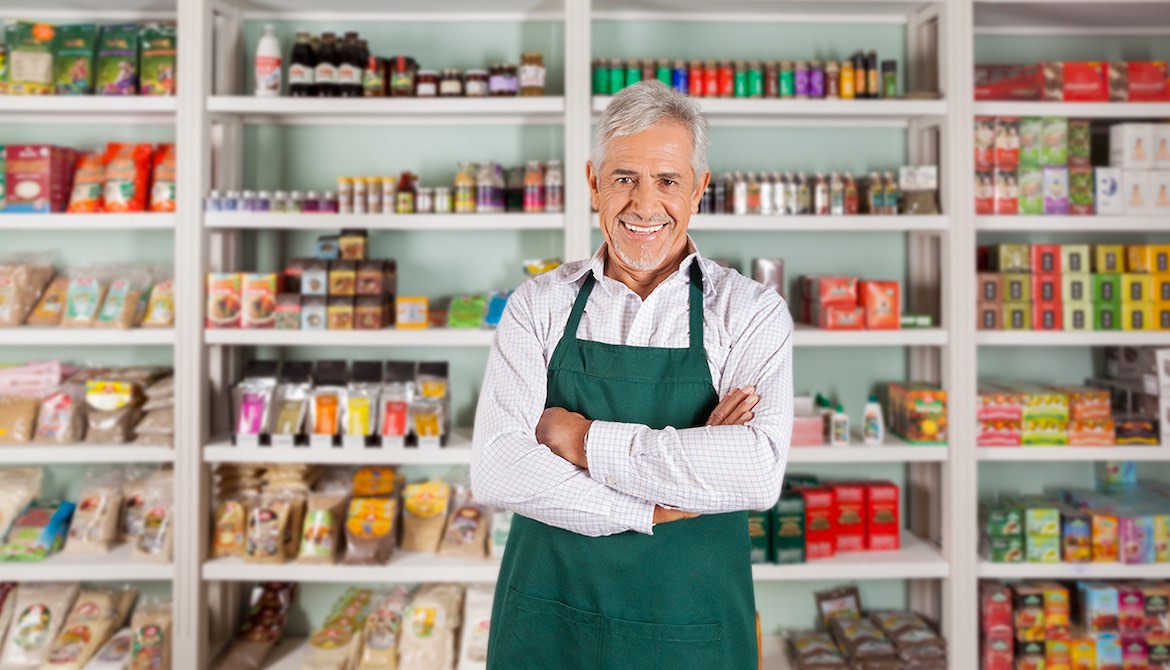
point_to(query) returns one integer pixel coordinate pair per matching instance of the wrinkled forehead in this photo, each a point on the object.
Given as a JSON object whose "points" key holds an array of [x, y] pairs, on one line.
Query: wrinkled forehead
{"points": [[665, 146]]}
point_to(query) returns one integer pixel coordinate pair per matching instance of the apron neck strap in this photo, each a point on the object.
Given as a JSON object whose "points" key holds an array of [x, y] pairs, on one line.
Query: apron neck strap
{"points": [[579, 306], [696, 306]]}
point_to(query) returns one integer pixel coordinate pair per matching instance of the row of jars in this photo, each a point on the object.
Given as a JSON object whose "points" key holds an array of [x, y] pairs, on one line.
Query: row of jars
{"points": [[788, 193], [484, 188]]}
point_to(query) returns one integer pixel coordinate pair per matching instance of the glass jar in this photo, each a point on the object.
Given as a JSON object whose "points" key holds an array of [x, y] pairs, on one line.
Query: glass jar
{"points": [[311, 203], [279, 203], [404, 198], [263, 201], [424, 201], [554, 187], [402, 74], [465, 188], [451, 84], [296, 202], [505, 82], [389, 194], [427, 84], [475, 84], [531, 77], [443, 200], [328, 203]]}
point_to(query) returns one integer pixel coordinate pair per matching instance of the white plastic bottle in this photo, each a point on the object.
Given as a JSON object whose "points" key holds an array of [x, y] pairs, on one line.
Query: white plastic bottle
{"points": [[873, 427], [269, 72], [839, 428]]}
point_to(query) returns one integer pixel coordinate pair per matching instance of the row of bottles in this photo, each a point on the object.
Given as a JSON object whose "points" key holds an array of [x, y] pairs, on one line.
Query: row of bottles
{"points": [[798, 194], [319, 67]]}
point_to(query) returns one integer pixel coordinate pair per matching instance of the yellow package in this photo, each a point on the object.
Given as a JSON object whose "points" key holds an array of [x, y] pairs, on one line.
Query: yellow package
{"points": [[1137, 287], [1109, 258], [1137, 316], [424, 515], [1139, 258]]}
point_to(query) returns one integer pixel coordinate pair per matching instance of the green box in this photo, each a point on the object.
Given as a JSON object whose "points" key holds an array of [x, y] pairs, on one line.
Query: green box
{"points": [[1003, 549], [760, 532], [1012, 257], [1003, 521], [74, 47], [1079, 142], [1042, 549], [1042, 521], [1106, 316], [1030, 141], [1107, 289], [1031, 184], [788, 529], [1054, 141], [1081, 188]]}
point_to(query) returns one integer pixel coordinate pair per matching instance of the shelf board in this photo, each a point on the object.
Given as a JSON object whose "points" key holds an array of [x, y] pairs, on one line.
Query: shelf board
{"points": [[1066, 454], [989, 570], [1104, 338], [87, 109], [1094, 110], [393, 111], [917, 559], [43, 454], [424, 222], [894, 451], [388, 337], [815, 224], [1073, 224], [753, 11], [831, 113], [91, 222], [118, 565], [376, 10], [457, 452], [807, 336], [86, 337]]}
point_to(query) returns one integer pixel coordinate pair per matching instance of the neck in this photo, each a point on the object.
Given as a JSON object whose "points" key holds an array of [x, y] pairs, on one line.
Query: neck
{"points": [[643, 282]]}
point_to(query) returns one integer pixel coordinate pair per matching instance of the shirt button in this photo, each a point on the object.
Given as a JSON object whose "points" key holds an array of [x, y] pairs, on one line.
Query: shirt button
{"points": [[610, 481]]}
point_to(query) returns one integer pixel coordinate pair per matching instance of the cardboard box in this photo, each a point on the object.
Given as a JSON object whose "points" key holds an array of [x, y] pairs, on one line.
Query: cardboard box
{"points": [[1139, 258], [1107, 288], [1005, 519], [1109, 258], [1054, 141], [997, 654], [883, 521], [851, 516], [1137, 538], [1106, 537], [1028, 605], [1137, 189], [984, 142], [1048, 316], [1137, 316], [1162, 146], [918, 413], [827, 290], [1009, 82], [788, 527], [411, 312], [759, 530], [1146, 81], [1161, 284], [985, 193], [1031, 139], [1007, 142], [38, 178], [1131, 610], [1160, 191], [1076, 287], [1161, 534], [882, 303], [1075, 258], [1044, 432], [990, 287], [1131, 146], [1076, 536], [1017, 287], [224, 300], [1135, 654], [991, 315], [834, 317], [1107, 193], [1080, 192], [259, 292], [1002, 549], [1156, 617], [1080, 140], [1084, 81], [1031, 186], [820, 531], [1012, 257], [1136, 288], [1099, 609], [1161, 315], [1083, 652], [1109, 652], [1047, 287], [1057, 613], [1087, 403], [1007, 192], [314, 312], [1045, 258], [1055, 190], [995, 610], [1017, 316]]}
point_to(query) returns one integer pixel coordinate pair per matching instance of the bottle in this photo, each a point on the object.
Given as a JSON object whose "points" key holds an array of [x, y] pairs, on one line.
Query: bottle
{"points": [[351, 69], [767, 188], [739, 194], [328, 60], [839, 428], [873, 427], [465, 188], [872, 75], [534, 188], [554, 187], [847, 81], [302, 67], [753, 193], [514, 196], [268, 64], [407, 189]]}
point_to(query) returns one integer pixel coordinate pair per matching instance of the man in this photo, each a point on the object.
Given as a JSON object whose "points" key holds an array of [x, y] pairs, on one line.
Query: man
{"points": [[600, 424]]}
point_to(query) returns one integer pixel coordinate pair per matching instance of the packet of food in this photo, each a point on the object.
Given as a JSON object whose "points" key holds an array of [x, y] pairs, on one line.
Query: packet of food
{"points": [[424, 515], [122, 304], [137, 478], [127, 177], [117, 60], [39, 612], [113, 410], [262, 630], [321, 533], [155, 541], [95, 522], [18, 416], [159, 48], [380, 635], [92, 620], [89, 178], [370, 531], [38, 532], [51, 306], [23, 278], [160, 308], [252, 401], [18, 488], [267, 523], [74, 49], [86, 293], [231, 521], [115, 654], [467, 528], [162, 192], [60, 419], [30, 57], [151, 627]]}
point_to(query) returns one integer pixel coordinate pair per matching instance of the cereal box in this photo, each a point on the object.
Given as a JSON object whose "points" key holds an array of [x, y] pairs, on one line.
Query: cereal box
{"points": [[851, 515], [883, 522], [819, 529]]}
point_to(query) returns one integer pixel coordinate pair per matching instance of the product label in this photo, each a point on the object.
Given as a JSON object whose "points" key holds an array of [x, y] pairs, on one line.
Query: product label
{"points": [[317, 540], [268, 74], [299, 73], [531, 76], [357, 416], [349, 75], [84, 299], [476, 88], [427, 90], [326, 73], [370, 518], [148, 647], [424, 620]]}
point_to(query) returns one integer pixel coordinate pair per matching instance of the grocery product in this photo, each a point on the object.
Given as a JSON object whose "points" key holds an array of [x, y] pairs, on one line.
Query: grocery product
{"points": [[73, 59], [117, 60], [128, 170], [38, 615], [151, 629], [262, 629], [30, 57], [39, 531], [268, 74]]}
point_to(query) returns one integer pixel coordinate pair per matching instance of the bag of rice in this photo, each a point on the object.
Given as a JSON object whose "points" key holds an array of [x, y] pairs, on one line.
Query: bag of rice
{"points": [[18, 419], [38, 615], [428, 628], [157, 537], [60, 419], [380, 636], [424, 515], [95, 522], [151, 626], [127, 177], [162, 193]]}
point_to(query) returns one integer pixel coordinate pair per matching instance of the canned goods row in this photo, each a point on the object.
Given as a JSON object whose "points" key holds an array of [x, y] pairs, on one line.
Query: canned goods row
{"points": [[273, 202]]}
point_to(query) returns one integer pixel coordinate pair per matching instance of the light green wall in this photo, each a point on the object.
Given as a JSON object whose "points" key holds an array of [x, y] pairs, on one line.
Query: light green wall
{"points": [[1004, 49]]}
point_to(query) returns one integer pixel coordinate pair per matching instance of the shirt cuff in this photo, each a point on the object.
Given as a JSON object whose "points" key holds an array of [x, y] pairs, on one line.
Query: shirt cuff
{"points": [[607, 449], [635, 514]]}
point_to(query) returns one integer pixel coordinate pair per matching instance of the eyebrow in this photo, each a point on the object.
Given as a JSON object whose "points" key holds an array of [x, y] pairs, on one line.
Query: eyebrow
{"points": [[633, 173]]}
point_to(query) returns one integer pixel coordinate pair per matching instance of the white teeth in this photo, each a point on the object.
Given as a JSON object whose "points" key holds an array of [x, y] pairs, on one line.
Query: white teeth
{"points": [[644, 229]]}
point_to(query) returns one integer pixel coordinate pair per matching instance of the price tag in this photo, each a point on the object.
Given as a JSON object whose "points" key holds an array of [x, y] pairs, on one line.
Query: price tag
{"points": [[243, 440]]}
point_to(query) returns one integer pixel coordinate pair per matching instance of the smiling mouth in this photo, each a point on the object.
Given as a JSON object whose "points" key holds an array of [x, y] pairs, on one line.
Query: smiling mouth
{"points": [[643, 230]]}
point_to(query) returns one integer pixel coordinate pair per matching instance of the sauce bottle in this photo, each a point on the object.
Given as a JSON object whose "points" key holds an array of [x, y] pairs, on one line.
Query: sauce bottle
{"points": [[534, 188], [719, 196], [836, 194], [767, 200], [328, 60], [554, 187], [780, 193], [465, 188], [852, 202], [407, 190], [832, 80], [302, 68], [872, 75], [514, 190], [860, 80], [268, 64], [351, 68], [803, 194], [739, 194], [821, 195], [753, 193], [847, 81]]}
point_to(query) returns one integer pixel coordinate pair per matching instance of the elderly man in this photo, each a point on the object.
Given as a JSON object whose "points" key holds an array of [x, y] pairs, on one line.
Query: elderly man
{"points": [[600, 424]]}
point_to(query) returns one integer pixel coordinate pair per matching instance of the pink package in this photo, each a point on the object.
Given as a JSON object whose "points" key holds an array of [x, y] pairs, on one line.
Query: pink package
{"points": [[1135, 653], [34, 379], [1137, 538], [1131, 610], [39, 178], [808, 431]]}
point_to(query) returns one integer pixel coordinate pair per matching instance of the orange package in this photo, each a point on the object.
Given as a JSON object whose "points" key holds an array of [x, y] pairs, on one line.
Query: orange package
{"points": [[162, 192], [88, 181], [882, 303], [127, 177]]}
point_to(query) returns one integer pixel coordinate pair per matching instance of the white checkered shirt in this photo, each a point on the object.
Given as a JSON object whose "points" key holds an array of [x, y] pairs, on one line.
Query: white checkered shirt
{"points": [[707, 470]]}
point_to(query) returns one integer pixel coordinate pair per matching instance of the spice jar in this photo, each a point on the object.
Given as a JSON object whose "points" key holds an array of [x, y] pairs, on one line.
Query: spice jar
{"points": [[328, 203], [402, 74], [427, 84], [772, 80], [451, 84], [424, 200], [475, 84], [443, 202], [531, 74], [816, 80]]}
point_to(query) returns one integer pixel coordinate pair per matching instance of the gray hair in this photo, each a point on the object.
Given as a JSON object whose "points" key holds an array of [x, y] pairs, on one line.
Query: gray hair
{"points": [[641, 107]]}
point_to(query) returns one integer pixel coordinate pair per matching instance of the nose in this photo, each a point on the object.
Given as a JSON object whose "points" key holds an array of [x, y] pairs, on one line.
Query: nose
{"points": [[644, 199]]}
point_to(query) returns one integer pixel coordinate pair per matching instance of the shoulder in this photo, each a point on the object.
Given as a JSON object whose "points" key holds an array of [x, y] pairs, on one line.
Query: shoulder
{"points": [[744, 305], [545, 293]]}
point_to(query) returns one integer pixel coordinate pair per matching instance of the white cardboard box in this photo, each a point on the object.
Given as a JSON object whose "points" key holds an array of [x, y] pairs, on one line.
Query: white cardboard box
{"points": [[1160, 191], [1137, 191], [1108, 191], [1162, 146], [1131, 146]]}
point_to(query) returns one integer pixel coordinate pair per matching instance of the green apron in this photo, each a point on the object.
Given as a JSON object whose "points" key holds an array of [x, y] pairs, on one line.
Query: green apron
{"points": [[681, 598]]}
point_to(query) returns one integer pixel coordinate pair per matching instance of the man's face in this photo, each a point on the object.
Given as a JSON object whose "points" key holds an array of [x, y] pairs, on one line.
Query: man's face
{"points": [[645, 193]]}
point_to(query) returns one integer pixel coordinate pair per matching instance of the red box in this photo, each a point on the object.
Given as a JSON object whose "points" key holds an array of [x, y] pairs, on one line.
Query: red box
{"points": [[1131, 610], [990, 316], [833, 317], [985, 193], [1009, 82], [1047, 287], [983, 258], [806, 312], [1147, 81], [1047, 316], [998, 654], [1046, 259], [833, 291], [1007, 142], [1085, 81], [995, 607], [39, 178], [882, 521], [849, 498], [882, 302], [1007, 193], [820, 531], [990, 287]]}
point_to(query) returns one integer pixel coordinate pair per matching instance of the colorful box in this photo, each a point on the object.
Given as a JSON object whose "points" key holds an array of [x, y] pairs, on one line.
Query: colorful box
{"points": [[1131, 610], [990, 287], [1047, 287], [851, 514], [1160, 191], [411, 312], [999, 433], [224, 300], [1003, 520], [1137, 539], [759, 530], [1109, 258], [1156, 618], [1092, 433], [1107, 191], [834, 317], [1075, 258], [1047, 316], [1076, 536], [997, 654], [1076, 287], [1045, 259], [1031, 134], [1080, 192], [1137, 316], [882, 302], [984, 142], [995, 610], [1003, 549], [1057, 612], [1137, 189], [1083, 653], [1017, 287], [1139, 258], [1007, 142], [1137, 288], [1084, 81], [1087, 403], [1080, 140], [1161, 538], [1042, 549], [1054, 141], [1017, 316], [788, 527], [1131, 146], [919, 413], [1099, 609], [1145, 81], [1109, 652], [824, 290], [820, 533], [1028, 605], [1042, 520], [1135, 654], [1106, 316], [1045, 432], [1012, 258], [1031, 186], [314, 312], [1078, 316], [38, 178], [1107, 288], [1106, 537], [1162, 146], [259, 292], [985, 192], [1055, 190], [1007, 192], [882, 519], [1161, 315], [1160, 289]]}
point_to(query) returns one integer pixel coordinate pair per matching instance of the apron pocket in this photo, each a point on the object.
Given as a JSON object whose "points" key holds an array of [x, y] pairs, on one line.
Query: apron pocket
{"points": [[633, 644], [543, 634]]}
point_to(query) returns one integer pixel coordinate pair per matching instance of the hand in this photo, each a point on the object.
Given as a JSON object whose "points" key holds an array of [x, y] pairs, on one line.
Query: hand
{"points": [[664, 515], [563, 432], [736, 408]]}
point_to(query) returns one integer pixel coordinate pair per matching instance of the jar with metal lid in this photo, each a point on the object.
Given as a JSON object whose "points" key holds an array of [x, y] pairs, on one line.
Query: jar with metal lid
{"points": [[213, 202], [296, 202], [427, 84], [361, 193], [389, 194], [424, 200], [531, 74], [328, 203], [475, 83], [373, 194], [279, 203], [345, 194], [443, 202], [402, 75], [263, 201], [451, 84], [311, 203]]}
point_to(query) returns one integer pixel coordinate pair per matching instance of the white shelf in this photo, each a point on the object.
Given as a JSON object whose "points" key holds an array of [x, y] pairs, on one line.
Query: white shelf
{"points": [[457, 452], [807, 336], [404, 567], [753, 11], [1073, 224], [895, 451], [424, 222], [1079, 110], [388, 337], [43, 454], [831, 113], [1103, 338], [86, 337], [92, 222], [814, 224], [118, 565], [378, 10], [87, 109], [393, 111], [989, 570], [916, 559], [1066, 454]]}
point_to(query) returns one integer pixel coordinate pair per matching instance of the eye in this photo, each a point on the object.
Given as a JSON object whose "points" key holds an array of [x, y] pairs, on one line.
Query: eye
{"points": [[669, 182], [625, 180]]}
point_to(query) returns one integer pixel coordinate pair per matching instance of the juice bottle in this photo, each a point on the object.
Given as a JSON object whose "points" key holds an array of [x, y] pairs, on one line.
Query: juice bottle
{"points": [[302, 68], [554, 187], [534, 188], [464, 188], [268, 64], [350, 71], [328, 60]]}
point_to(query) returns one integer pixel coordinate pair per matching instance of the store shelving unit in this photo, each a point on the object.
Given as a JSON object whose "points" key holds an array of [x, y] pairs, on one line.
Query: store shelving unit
{"points": [[87, 337], [814, 224], [1072, 454], [419, 222], [85, 222], [118, 565], [1076, 110], [989, 570], [1100, 338], [1071, 224], [43, 454]]}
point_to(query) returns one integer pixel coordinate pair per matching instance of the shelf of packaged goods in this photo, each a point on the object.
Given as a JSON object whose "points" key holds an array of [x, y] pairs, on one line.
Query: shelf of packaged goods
{"points": [[404, 567], [392, 111], [1066, 454], [917, 559], [91, 222], [989, 570], [812, 224], [808, 336], [87, 108], [457, 452], [758, 111], [1079, 110], [86, 337], [44, 454], [1073, 224], [118, 565], [1103, 338], [415, 222], [389, 337]]}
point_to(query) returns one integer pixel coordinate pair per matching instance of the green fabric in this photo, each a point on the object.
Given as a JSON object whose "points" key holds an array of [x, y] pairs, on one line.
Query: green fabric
{"points": [[681, 598]]}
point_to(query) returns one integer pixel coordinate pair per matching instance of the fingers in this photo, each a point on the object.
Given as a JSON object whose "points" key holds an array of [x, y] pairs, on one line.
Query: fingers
{"points": [[743, 411], [736, 408], [723, 409]]}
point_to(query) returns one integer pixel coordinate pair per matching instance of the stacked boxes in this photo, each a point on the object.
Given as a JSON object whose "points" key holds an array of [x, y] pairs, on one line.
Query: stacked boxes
{"points": [[815, 520], [1013, 415], [1074, 81], [917, 413], [846, 303], [1139, 160]]}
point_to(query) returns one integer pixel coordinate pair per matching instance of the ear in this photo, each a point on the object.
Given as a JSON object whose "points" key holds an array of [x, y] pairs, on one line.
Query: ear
{"points": [[594, 194], [700, 188]]}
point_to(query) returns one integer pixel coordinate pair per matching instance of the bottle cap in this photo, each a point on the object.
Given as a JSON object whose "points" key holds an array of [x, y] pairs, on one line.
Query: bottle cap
{"points": [[873, 398], [840, 408]]}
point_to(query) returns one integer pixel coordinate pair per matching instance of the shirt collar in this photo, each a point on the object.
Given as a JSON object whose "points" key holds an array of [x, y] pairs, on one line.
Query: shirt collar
{"points": [[596, 265]]}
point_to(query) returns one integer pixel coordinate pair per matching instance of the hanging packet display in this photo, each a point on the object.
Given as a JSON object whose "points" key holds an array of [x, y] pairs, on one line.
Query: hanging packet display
{"points": [[30, 58], [89, 178], [117, 60], [127, 177], [162, 191], [73, 54], [159, 47]]}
